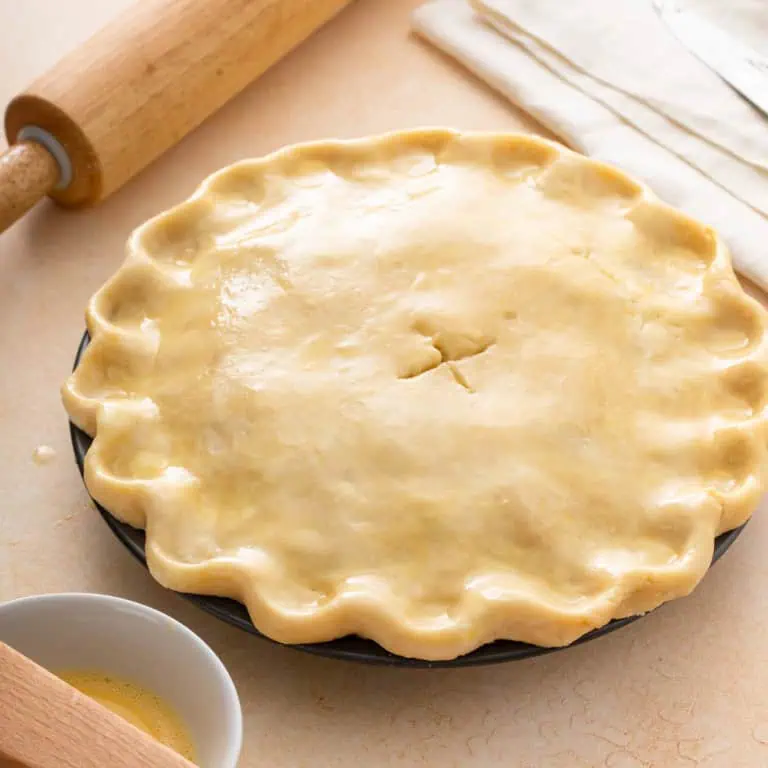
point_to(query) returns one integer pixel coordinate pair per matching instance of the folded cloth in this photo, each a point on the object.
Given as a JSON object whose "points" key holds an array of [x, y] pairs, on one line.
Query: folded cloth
{"points": [[612, 81]]}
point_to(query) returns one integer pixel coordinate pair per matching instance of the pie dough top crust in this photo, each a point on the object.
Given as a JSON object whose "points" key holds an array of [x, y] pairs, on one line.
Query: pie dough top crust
{"points": [[431, 388]]}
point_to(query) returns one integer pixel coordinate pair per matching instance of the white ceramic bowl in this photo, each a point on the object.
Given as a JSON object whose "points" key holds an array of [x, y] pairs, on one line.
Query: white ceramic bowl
{"points": [[130, 640]]}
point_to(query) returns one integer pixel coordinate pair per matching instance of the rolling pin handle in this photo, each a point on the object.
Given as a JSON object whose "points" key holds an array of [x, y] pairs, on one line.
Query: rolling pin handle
{"points": [[28, 172]]}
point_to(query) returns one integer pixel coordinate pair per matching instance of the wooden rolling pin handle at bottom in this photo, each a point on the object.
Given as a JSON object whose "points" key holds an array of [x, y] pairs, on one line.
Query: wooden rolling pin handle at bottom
{"points": [[28, 172]]}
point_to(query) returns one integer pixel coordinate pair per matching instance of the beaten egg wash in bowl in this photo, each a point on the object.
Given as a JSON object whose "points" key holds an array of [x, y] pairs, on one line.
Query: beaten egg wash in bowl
{"points": [[137, 662], [138, 705]]}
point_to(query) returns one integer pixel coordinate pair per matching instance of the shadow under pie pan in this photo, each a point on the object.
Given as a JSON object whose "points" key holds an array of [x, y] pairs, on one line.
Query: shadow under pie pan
{"points": [[349, 648]]}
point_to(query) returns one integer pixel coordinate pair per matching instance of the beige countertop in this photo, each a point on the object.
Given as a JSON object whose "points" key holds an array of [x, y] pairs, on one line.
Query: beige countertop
{"points": [[686, 686]]}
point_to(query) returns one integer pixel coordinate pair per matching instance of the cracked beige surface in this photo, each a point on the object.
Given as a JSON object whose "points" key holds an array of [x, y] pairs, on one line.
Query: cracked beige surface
{"points": [[431, 388]]}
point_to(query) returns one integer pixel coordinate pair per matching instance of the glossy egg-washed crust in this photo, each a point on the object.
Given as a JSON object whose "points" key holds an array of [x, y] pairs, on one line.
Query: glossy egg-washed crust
{"points": [[431, 388]]}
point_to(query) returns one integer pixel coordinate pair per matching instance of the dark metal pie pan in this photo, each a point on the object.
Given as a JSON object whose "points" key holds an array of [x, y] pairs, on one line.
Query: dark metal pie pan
{"points": [[349, 648]]}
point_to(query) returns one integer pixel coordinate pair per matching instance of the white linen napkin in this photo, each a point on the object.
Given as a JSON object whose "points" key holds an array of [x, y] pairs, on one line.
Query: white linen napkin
{"points": [[612, 81]]}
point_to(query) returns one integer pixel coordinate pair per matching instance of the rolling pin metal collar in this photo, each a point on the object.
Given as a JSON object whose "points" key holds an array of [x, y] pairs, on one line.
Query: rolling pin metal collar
{"points": [[52, 144]]}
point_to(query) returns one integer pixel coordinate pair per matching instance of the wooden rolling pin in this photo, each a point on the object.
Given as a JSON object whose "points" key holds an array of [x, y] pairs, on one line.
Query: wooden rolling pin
{"points": [[45, 723], [132, 91]]}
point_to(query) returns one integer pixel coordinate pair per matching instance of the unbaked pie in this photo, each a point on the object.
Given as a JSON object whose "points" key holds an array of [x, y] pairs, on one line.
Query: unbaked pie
{"points": [[430, 388]]}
